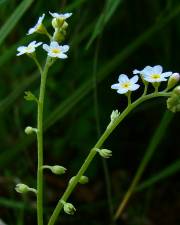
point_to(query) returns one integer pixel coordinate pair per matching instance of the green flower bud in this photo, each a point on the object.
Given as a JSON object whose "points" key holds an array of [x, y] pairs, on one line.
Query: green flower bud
{"points": [[56, 169], [69, 208], [65, 25], [173, 102], [114, 115], [173, 80], [105, 153], [22, 188], [84, 180], [54, 23], [30, 130], [58, 36]]}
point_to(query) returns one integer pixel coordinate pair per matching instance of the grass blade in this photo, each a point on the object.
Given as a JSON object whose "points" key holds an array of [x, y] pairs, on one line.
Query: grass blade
{"points": [[14, 18]]}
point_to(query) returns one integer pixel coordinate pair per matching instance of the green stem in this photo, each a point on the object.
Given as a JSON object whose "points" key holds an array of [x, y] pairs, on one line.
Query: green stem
{"points": [[40, 143], [93, 152]]}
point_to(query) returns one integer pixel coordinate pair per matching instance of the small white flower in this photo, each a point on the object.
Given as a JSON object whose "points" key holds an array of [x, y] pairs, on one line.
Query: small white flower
{"points": [[60, 16], [37, 26], [55, 50], [28, 49], [153, 74], [125, 84]]}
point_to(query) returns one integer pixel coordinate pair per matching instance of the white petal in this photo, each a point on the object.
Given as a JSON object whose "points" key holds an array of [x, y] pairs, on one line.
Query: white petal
{"points": [[38, 44], [53, 55], [115, 86], [46, 47], [122, 90], [55, 15], [157, 69], [31, 50], [62, 56], [134, 87], [54, 44], [31, 31], [64, 48], [123, 78], [67, 15], [20, 53], [166, 74], [134, 79], [136, 71], [21, 48], [33, 43]]}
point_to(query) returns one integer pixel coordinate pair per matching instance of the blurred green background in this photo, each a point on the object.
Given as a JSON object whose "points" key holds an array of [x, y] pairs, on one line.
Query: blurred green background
{"points": [[106, 38]]}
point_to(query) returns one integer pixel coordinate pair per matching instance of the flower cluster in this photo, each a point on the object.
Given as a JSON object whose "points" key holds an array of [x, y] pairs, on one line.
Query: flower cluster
{"points": [[149, 74], [54, 49]]}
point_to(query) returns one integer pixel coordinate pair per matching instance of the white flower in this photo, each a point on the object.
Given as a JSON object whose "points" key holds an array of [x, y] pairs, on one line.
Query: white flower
{"points": [[55, 50], [153, 74], [60, 16], [37, 26], [125, 84], [28, 49]]}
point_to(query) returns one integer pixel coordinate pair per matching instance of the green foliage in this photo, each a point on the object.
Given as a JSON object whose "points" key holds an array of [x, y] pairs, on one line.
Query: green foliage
{"points": [[131, 34]]}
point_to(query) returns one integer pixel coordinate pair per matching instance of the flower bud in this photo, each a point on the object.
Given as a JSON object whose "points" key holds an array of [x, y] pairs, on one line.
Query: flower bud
{"points": [[114, 115], [58, 36], [58, 169], [69, 208], [22, 188], [65, 25], [84, 180], [173, 80], [105, 153], [54, 23], [30, 130], [173, 102]]}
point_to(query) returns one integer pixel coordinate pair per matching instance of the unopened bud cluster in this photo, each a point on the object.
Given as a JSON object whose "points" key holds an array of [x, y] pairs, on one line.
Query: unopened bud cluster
{"points": [[68, 207], [105, 153], [173, 102]]}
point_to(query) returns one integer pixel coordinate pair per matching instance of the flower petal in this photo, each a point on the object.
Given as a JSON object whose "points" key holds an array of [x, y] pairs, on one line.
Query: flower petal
{"points": [[64, 48], [123, 78], [122, 90], [134, 87], [167, 74], [134, 79], [46, 47], [62, 56], [157, 69], [115, 86]]}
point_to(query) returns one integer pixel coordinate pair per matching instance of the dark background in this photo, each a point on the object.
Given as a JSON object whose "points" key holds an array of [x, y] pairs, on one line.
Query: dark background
{"points": [[106, 38]]}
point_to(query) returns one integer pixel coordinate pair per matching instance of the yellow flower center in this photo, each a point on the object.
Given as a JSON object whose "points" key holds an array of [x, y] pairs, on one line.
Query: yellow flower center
{"points": [[56, 50], [155, 76], [126, 85]]}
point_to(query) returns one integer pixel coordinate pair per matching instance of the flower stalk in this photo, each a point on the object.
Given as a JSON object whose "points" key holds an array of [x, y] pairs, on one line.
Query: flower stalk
{"points": [[93, 151], [40, 142]]}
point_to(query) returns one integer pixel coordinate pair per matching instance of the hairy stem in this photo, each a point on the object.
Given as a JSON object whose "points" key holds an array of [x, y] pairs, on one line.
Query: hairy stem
{"points": [[93, 152]]}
